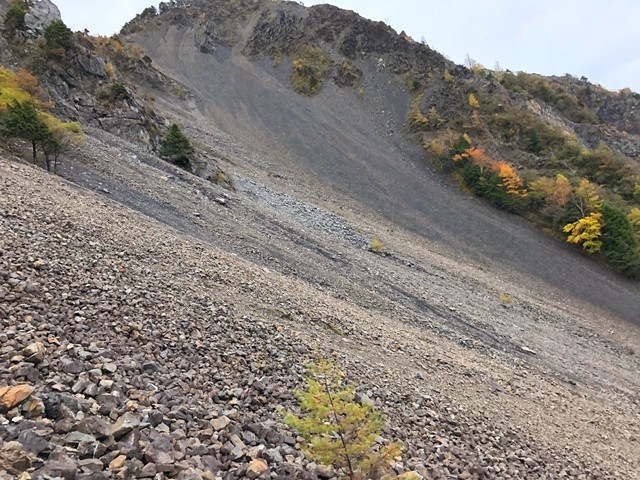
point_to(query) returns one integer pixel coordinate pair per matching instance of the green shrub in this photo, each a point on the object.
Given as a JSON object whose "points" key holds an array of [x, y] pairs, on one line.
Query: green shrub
{"points": [[551, 92], [57, 35], [176, 146], [22, 121], [118, 91], [606, 167], [488, 184], [348, 74], [310, 69], [14, 17], [619, 244]]}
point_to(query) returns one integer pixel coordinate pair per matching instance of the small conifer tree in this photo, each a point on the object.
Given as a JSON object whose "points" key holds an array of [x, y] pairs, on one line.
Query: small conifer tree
{"points": [[176, 146], [58, 35], [22, 121], [340, 431]]}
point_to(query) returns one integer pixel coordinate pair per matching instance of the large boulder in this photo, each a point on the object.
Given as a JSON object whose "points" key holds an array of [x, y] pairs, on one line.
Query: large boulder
{"points": [[41, 14], [91, 63]]}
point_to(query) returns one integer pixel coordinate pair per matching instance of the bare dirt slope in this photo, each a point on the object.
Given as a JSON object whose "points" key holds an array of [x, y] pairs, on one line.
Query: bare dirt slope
{"points": [[543, 385], [353, 147]]}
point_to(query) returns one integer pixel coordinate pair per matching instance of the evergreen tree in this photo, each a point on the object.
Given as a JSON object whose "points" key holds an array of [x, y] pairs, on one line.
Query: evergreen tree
{"points": [[58, 35], [339, 430], [619, 244], [22, 121], [176, 146], [60, 136]]}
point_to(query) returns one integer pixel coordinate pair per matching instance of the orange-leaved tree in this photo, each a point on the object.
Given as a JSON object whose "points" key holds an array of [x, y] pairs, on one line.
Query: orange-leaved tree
{"points": [[511, 181]]}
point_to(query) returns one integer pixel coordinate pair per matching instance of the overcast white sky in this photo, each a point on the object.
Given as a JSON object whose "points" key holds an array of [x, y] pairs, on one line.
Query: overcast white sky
{"points": [[599, 39]]}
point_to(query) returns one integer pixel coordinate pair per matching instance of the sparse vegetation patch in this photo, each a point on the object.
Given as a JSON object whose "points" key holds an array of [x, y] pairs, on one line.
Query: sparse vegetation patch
{"points": [[310, 69]]}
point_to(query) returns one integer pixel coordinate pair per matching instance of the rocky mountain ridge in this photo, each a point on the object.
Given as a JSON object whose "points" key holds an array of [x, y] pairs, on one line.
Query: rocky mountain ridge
{"points": [[283, 28]]}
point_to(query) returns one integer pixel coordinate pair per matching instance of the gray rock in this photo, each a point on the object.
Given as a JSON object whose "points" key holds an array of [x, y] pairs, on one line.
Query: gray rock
{"points": [[99, 427], [90, 465], [109, 367], [33, 442], [93, 476], [155, 418], [249, 437], [71, 366], [41, 15], [325, 471], [79, 437], [160, 451], [148, 471], [33, 348], [220, 423], [52, 408], [273, 455], [237, 442], [92, 64], [150, 366], [58, 465], [14, 459], [124, 425], [237, 453]]}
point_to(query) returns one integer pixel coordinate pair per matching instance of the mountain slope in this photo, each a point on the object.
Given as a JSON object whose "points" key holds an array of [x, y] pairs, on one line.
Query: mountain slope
{"points": [[529, 387], [157, 319], [356, 144]]}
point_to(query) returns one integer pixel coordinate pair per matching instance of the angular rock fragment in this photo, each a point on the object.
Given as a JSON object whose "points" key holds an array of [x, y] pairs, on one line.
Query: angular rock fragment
{"points": [[14, 459], [13, 396], [124, 425]]}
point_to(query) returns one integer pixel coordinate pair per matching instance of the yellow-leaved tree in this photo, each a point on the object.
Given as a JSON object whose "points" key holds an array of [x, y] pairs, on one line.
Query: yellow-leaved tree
{"points": [[340, 431], [554, 191], [586, 232], [634, 220], [10, 91], [473, 101], [586, 198]]}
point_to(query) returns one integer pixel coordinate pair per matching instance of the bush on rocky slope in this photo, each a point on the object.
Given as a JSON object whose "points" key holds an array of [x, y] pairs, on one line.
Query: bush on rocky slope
{"points": [[58, 36], [176, 146], [14, 17], [339, 430], [310, 69]]}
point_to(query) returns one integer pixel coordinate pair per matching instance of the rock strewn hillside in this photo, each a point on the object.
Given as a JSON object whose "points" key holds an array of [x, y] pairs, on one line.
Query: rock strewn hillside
{"points": [[358, 139], [150, 352], [159, 341]]}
